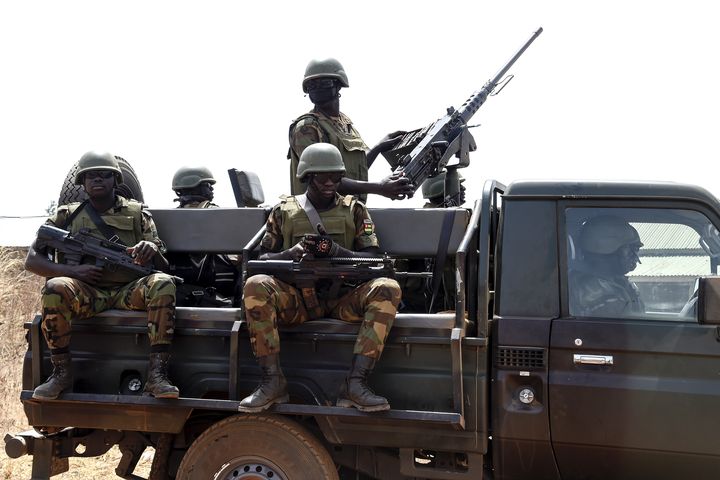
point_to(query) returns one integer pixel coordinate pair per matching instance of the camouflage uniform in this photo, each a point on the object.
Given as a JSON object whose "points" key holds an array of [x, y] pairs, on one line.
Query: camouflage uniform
{"points": [[269, 301], [596, 295], [64, 298], [315, 127]]}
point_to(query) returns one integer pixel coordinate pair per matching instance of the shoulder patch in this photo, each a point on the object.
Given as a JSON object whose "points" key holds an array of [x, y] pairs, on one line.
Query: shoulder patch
{"points": [[368, 227]]}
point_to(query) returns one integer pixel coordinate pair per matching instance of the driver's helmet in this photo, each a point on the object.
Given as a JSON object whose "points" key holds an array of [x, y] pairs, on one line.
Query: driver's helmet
{"points": [[607, 234]]}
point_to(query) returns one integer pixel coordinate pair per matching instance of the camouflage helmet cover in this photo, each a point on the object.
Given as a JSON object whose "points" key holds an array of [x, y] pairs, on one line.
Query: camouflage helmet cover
{"points": [[319, 158], [95, 160], [328, 67], [191, 177], [606, 234], [435, 186]]}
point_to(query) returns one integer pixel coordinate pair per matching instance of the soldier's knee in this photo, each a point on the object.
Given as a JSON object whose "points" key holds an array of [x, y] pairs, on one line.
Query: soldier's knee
{"points": [[257, 283], [56, 285], [386, 289], [160, 284]]}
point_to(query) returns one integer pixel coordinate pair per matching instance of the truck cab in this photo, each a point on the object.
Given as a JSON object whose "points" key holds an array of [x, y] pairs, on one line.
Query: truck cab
{"points": [[593, 394]]}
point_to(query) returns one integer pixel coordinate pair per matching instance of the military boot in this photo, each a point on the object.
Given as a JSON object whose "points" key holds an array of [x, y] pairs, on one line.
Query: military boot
{"points": [[158, 385], [61, 378], [354, 391], [272, 388]]}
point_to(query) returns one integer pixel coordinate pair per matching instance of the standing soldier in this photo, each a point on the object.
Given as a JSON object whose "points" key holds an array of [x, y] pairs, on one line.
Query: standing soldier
{"points": [[347, 231], [81, 290], [213, 273], [326, 123]]}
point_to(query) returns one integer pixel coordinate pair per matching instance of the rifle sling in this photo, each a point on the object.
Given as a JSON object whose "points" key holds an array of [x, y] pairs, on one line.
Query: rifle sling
{"points": [[441, 254], [104, 228], [310, 211], [74, 214]]}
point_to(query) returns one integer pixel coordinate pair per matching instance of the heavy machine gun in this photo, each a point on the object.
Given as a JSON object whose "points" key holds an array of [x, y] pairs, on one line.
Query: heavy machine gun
{"points": [[424, 153]]}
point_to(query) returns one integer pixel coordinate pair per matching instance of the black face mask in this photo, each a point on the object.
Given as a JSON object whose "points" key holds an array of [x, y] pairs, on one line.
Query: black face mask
{"points": [[323, 95]]}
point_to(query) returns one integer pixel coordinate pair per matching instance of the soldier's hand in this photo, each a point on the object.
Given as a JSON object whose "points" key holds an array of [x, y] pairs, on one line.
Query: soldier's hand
{"points": [[143, 252], [87, 273], [389, 141], [297, 251], [319, 245], [396, 187]]}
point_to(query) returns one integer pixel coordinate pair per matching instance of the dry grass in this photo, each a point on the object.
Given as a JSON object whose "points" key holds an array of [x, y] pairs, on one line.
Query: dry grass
{"points": [[19, 301]]}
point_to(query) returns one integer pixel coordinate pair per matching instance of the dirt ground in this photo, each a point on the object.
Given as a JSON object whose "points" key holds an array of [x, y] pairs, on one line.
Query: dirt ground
{"points": [[19, 302]]}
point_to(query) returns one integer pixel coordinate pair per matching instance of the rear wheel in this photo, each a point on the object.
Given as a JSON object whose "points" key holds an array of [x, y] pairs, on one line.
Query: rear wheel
{"points": [[130, 188], [257, 447]]}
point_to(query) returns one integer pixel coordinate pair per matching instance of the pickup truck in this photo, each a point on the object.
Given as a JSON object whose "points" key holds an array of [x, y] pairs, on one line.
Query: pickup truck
{"points": [[513, 381]]}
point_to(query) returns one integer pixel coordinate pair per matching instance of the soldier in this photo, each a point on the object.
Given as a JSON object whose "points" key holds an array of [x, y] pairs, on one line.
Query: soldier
{"points": [[205, 274], [194, 187], [269, 301], [433, 190], [325, 123], [598, 286], [83, 290]]}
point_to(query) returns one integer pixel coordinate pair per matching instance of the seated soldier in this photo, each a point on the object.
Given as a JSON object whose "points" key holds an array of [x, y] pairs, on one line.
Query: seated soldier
{"points": [[598, 286], [268, 301], [209, 278], [81, 289]]}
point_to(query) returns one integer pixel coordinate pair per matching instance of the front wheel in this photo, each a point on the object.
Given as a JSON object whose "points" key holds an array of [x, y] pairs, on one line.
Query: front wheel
{"points": [[257, 447]]}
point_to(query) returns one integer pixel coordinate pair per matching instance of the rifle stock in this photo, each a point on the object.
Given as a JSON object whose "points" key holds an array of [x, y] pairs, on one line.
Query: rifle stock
{"points": [[424, 153]]}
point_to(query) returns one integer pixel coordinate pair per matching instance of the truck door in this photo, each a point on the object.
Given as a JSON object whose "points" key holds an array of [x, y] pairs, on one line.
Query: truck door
{"points": [[634, 379]]}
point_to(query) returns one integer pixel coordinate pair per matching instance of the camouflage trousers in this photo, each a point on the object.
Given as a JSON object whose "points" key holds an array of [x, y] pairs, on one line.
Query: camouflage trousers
{"points": [[269, 302], [65, 299]]}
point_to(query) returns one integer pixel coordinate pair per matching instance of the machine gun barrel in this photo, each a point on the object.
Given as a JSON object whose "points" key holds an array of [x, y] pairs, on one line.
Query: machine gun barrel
{"points": [[476, 100], [425, 153]]}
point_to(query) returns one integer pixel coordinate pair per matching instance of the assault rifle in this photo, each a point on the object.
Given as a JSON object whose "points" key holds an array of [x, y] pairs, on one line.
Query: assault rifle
{"points": [[343, 269], [305, 274], [425, 152], [108, 255]]}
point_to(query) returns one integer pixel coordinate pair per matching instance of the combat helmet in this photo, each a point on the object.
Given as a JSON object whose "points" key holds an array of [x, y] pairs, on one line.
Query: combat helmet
{"points": [[319, 158], [606, 234], [94, 160], [328, 67], [435, 186], [191, 177]]}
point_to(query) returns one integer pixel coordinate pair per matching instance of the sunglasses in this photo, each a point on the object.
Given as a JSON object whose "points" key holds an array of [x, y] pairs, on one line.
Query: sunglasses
{"points": [[324, 177], [104, 174], [321, 83]]}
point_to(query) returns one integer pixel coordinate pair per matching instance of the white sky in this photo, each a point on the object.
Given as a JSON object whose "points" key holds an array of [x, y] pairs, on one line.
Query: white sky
{"points": [[620, 90]]}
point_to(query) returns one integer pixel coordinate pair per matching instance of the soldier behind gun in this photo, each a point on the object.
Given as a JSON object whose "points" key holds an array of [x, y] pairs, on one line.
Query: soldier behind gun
{"points": [[209, 278], [76, 288], [348, 232], [326, 123]]}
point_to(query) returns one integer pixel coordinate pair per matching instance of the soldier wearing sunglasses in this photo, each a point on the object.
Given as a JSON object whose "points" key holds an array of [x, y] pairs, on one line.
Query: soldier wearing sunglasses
{"points": [[344, 229]]}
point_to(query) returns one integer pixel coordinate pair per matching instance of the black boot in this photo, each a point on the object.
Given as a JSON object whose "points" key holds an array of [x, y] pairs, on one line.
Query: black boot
{"points": [[354, 391], [158, 385], [272, 388], [60, 380]]}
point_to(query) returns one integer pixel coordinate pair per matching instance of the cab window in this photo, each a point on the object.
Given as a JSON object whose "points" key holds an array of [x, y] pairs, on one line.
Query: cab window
{"points": [[638, 262]]}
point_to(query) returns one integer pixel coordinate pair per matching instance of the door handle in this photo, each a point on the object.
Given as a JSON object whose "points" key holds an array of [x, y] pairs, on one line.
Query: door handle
{"points": [[580, 359]]}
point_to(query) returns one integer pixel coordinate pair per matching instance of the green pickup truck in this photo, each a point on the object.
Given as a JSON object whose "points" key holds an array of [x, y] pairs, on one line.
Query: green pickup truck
{"points": [[540, 361]]}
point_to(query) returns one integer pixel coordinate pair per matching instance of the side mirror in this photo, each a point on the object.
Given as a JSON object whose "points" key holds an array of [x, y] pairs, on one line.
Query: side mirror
{"points": [[709, 300], [246, 187]]}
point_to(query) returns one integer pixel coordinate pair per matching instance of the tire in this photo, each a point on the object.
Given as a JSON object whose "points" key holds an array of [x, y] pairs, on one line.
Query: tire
{"points": [[257, 447], [130, 188]]}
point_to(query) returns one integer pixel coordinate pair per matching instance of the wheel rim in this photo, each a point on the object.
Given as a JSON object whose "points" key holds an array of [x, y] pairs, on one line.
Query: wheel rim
{"points": [[250, 468]]}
